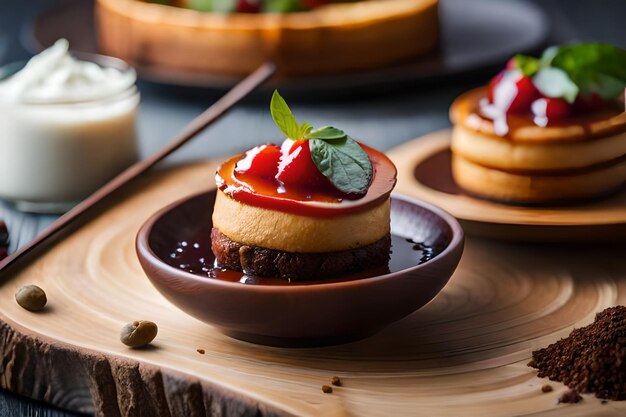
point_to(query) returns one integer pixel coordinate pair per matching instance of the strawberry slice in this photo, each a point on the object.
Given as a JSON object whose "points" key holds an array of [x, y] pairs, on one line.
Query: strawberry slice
{"points": [[260, 161], [526, 94], [492, 85], [512, 92], [548, 110], [298, 169], [248, 6], [311, 4], [511, 67], [589, 102], [511, 63], [557, 108]]}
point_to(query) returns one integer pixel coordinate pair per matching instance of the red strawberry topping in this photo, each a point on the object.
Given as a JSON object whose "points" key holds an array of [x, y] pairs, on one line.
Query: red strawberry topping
{"points": [[511, 63], [512, 92], [311, 4], [548, 110], [585, 103], [248, 6], [260, 161], [297, 168], [526, 94]]}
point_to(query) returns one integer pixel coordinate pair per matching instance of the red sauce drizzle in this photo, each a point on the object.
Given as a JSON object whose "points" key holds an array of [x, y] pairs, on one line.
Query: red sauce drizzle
{"points": [[608, 110], [270, 194], [585, 121]]}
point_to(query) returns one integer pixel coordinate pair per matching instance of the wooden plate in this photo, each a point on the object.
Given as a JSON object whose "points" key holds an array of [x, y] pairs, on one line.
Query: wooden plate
{"points": [[475, 35], [424, 172], [464, 353]]}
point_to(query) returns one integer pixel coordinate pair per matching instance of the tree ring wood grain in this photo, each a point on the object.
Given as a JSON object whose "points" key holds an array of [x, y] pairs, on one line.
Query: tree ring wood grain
{"points": [[462, 354]]}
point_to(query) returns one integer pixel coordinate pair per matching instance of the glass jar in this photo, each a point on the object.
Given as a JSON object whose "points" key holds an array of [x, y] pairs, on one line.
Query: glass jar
{"points": [[54, 153]]}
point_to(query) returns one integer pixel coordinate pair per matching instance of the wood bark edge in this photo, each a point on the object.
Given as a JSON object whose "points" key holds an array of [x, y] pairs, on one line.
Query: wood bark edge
{"points": [[87, 381]]}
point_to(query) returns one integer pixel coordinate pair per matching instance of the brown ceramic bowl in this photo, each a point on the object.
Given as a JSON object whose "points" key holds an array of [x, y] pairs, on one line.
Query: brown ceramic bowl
{"points": [[300, 314]]}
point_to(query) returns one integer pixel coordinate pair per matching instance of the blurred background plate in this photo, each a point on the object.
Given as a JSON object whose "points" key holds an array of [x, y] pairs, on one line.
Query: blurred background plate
{"points": [[477, 35]]}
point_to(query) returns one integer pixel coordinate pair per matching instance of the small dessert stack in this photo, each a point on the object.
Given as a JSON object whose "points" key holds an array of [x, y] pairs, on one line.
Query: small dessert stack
{"points": [[546, 130], [316, 206]]}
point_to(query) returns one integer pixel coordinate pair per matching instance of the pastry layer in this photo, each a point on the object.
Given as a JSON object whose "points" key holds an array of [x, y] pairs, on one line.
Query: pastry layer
{"points": [[257, 226], [593, 126], [344, 34], [502, 153], [264, 262], [511, 187]]}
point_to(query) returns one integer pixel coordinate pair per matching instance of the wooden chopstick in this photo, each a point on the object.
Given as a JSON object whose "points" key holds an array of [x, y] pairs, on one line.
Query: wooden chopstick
{"points": [[205, 119]]}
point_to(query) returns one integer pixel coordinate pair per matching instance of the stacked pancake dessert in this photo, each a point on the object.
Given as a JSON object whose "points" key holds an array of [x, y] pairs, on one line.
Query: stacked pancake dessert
{"points": [[316, 206], [547, 130]]}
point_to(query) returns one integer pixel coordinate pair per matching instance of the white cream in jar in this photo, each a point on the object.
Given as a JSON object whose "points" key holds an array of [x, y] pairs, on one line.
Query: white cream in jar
{"points": [[67, 126]]}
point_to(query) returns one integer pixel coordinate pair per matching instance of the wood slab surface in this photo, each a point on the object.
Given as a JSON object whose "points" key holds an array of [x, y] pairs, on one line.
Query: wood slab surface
{"points": [[424, 172], [465, 353]]}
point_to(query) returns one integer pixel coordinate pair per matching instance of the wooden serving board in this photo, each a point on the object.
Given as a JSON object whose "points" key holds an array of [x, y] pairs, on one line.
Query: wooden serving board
{"points": [[465, 353]]}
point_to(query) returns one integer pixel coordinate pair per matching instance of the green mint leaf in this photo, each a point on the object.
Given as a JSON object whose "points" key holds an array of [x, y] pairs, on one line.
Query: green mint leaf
{"points": [[605, 86], [344, 163], [201, 5], [284, 119], [282, 6], [594, 67], [528, 65], [548, 55], [327, 133], [555, 83], [305, 130], [224, 6]]}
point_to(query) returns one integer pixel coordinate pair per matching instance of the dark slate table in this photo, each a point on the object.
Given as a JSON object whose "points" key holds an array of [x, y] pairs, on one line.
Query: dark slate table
{"points": [[382, 121]]}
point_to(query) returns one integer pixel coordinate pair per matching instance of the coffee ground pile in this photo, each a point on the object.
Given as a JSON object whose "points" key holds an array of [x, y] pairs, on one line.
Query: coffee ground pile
{"points": [[591, 359]]}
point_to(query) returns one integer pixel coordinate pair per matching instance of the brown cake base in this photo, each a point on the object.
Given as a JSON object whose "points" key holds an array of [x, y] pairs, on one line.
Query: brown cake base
{"points": [[523, 188], [264, 262]]}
